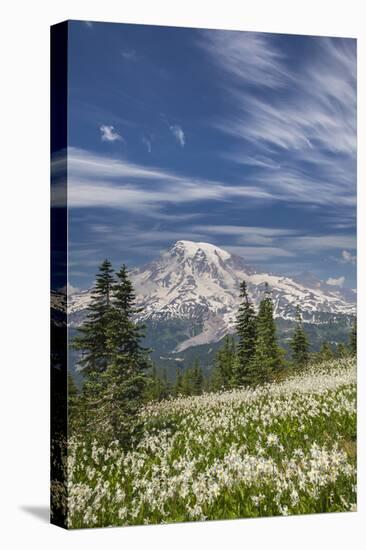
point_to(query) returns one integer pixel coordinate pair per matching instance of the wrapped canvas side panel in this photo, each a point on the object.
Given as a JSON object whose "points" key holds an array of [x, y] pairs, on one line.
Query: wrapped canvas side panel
{"points": [[59, 274]]}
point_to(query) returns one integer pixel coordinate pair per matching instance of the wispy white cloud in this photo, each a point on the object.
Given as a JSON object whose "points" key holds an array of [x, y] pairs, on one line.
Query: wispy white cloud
{"points": [[100, 181], [93, 166], [239, 230], [135, 240], [178, 133], [129, 54], [319, 103], [260, 253], [84, 193], [247, 235], [292, 240], [335, 281], [108, 133], [348, 258], [316, 243], [247, 56], [295, 122], [147, 142], [259, 160], [97, 180]]}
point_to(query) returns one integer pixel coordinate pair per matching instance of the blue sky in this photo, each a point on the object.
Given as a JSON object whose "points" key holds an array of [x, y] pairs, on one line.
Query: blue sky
{"points": [[244, 140]]}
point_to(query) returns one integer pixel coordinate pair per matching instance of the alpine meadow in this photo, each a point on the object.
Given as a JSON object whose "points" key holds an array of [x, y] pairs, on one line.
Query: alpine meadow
{"points": [[203, 302]]}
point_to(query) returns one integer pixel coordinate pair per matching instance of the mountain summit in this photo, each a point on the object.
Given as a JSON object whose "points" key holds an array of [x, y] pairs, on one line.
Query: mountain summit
{"points": [[200, 282], [191, 249]]}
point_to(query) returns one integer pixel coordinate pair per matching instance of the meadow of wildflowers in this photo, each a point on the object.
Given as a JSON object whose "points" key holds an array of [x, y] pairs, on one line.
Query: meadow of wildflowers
{"points": [[282, 448]]}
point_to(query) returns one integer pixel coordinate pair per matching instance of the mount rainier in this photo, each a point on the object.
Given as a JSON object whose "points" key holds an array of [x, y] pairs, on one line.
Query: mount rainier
{"points": [[199, 282]]}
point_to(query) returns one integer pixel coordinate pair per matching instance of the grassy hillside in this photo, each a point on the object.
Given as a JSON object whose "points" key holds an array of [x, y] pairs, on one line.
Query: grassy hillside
{"points": [[284, 448]]}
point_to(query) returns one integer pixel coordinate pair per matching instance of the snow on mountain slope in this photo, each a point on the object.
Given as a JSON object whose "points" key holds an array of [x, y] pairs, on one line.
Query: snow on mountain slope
{"points": [[189, 281], [200, 281]]}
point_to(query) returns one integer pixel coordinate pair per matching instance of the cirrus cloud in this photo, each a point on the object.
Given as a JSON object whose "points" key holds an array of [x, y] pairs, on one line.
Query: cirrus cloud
{"points": [[108, 133], [178, 134]]}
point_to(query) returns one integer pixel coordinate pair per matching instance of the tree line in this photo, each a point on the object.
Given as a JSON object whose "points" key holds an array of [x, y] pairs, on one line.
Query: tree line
{"points": [[254, 356], [119, 375], [257, 358]]}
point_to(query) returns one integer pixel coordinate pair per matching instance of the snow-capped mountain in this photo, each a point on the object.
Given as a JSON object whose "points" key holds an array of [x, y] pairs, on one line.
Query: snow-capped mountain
{"points": [[200, 282]]}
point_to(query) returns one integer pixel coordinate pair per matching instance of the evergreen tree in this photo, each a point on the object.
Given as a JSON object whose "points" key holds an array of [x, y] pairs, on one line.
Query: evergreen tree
{"points": [[72, 403], [341, 350], [225, 365], [353, 338], [246, 330], [326, 352], [166, 388], [217, 381], [88, 400], [267, 358], [125, 377], [72, 390], [92, 335], [299, 344], [178, 387], [124, 336], [187, 384], [197, 378], [157, 387], [113, 392]]}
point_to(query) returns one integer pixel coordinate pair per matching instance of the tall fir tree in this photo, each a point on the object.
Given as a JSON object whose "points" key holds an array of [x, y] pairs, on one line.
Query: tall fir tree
{"points": [[225, 365], [299, 343], [125, 378], [91, 339], [267, 358], [246, 330], [353, 338]]}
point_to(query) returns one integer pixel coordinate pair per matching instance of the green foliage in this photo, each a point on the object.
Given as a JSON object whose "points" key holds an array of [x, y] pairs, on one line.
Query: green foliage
{"points": [[226, 360], [353, 338], [326, 352], [267, 360], [92, 335], [187, 387], [197, 378], [189, 382], [115, 366], [341, 350], [299, 343], [257, 358], [72, 390], [120, 400], [178, 387], [73, 399], [157, 386], [246, 330]]}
